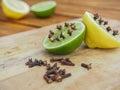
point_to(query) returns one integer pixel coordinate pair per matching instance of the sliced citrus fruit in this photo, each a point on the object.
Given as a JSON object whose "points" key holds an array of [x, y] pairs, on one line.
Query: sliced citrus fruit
{"points": [[98, 33], [44, 9], [65, 38], [15, 9]]}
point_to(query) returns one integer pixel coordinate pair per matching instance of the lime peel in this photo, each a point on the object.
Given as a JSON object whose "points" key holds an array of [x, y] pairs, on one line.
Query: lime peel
{"points": [[69, 44]]}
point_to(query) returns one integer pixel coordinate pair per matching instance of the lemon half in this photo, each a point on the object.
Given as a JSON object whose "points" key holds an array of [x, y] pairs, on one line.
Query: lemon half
{"points": [[15, 9], [96, 36]]}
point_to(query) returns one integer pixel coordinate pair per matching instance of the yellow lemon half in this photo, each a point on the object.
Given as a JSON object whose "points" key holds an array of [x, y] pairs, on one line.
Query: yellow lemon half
{"points": [[97, 35], [15, 9]]}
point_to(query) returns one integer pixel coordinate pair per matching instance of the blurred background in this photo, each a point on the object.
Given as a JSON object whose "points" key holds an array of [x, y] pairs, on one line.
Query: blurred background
{"points": [[65, 10]]}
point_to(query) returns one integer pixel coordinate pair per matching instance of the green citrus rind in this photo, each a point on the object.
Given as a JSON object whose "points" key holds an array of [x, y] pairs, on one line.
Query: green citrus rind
{"points": [[47, 8], [67, 47]]}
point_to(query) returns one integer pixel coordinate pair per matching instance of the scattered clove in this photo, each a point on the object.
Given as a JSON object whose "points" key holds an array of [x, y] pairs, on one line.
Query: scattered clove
{"points": [[66, 75], [59, 27], [105, 22], [53, 73], [96, 16], [108, 28], [48, 79], [67, 61], [115, 32], [70, 32], [56, 59], [66, 24], [62, 36], [31, 63], [87, 66]]}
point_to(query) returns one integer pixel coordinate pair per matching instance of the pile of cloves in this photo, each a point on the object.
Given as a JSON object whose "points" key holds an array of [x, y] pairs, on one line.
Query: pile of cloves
{"points": [[105, 23], [63, 61], [53, 73], [71, 27]]}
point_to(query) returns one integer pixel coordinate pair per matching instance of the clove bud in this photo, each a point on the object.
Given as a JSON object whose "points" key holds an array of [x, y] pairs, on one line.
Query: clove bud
{"points": [[59, 27], [87, 66], [62, 36], [96, 16], [69, 32]]}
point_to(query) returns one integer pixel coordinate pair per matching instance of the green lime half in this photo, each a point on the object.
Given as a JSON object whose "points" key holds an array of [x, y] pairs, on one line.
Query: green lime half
{"points": [[44, 9], [69, 43]]}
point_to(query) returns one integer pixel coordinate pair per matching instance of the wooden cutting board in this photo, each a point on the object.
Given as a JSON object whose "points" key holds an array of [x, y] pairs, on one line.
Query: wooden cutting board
{"points": [[16, 49]]}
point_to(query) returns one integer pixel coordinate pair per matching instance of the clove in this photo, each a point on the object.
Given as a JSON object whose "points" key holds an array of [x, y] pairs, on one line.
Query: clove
{"points": [[115, 32], [105, 22], [96, 16], [48, 79], [87, 66], [66, 24], [51, 32], [66, 75], [59, 27], [50, 36], [62, 36], [73, 26], [108, 28], [52, 39], [69, 32], [100, 20], [56, 59], [67, 62]]}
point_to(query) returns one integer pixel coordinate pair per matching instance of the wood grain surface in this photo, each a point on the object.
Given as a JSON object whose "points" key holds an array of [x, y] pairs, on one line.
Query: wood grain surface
{"points": [[16, 49], [66, 10]]}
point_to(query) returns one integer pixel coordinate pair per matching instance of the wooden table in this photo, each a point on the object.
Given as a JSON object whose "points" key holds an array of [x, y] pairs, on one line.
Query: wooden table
{"points": [[66, 10]]}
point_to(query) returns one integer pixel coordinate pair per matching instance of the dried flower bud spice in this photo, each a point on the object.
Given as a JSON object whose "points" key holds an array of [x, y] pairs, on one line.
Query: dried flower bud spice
{"points": [[115, 32], [58, 78], [66, 24], [67, 62], [96, 16], [87, 66], [52, 39], [105, 22], [62, 71], [51, 32], [69, 32], [56, 59], [73, 27], [50, 35], [59, 27], [66, 75], [100, 21], [48, 79], [62, 36], [108, 28]]}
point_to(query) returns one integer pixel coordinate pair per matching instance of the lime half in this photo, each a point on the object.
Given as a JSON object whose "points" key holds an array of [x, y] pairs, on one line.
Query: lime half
{"points": [[44, 9], [67, 44], [97, 35], [15, 9]]}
